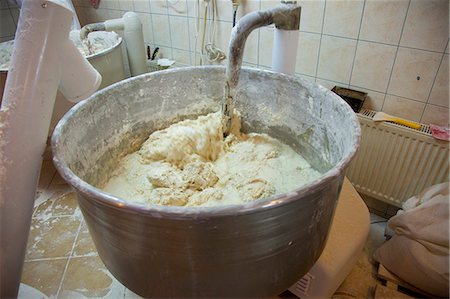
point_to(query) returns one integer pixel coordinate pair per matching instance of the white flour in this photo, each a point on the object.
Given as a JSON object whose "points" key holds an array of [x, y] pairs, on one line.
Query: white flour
{"points": [[191, 164]]}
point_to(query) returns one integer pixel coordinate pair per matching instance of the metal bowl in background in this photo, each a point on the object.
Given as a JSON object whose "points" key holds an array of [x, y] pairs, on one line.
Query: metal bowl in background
{"points": [[108, 62], [258, 249]]}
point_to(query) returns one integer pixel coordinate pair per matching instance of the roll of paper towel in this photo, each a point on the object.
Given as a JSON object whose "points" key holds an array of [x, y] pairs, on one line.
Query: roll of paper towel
{"points": [[284, 53]]}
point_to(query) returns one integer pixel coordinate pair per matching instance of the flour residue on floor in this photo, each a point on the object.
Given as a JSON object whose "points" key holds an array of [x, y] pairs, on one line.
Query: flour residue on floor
{"points": [[191, 164]]}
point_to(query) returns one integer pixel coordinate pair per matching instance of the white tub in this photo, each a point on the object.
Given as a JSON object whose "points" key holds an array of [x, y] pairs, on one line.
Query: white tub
{"points": [[108, 62]]}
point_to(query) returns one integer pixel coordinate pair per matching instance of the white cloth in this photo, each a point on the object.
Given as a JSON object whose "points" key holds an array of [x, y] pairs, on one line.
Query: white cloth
{"points": [[418, 253]]}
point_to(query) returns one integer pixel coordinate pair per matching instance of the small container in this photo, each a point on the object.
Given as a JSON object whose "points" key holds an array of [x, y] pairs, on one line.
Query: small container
{"points": [[353, 97], [159, 65]]}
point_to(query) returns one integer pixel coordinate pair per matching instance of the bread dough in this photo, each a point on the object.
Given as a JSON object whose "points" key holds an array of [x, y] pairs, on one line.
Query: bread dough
{"points": [[190, 163]]}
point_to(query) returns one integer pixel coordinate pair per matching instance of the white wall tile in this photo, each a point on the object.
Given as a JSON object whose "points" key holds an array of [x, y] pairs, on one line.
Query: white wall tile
{"points": [[163, 52], [109, 4], [328, 84], [266, 4], [161, 30], [265, 46], [307, 53], [183, 57], [343, 17], [7, 26], [311, 18], [410, 65], [142, 5], [177, 7], [426, 25], [114, 14], [195, 58], [383, 20], [246, 7], [373, 101], [191, 8], [158, 6], [147, 27], [305, 77], [222, 36], [403, 108], [373, 65], [436, 115], [126, 5], [336, 58], [179, 32], [195, 36], [225, 9], [251, 48], [440, 91]]}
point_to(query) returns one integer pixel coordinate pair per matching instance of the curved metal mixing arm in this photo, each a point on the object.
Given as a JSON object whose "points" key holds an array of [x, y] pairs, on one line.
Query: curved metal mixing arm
{"points": [[285, 16]]}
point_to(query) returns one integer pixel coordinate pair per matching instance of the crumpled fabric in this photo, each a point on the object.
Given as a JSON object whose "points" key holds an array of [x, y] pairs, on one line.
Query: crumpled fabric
{"points": [[418, 253]]}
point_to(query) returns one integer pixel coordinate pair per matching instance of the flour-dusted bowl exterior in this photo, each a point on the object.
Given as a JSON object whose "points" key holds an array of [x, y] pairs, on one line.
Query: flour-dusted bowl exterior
{"points": [[258, 249]]}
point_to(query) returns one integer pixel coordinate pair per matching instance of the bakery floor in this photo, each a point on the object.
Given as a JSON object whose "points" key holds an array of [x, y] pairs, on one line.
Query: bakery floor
{"points": [[61, 260]]}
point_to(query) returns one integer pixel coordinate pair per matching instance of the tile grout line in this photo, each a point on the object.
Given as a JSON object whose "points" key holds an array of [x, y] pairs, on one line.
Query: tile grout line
{"points": [[46, 259], [259, 39], [395, 57], [357, 43], [432, 85], [151, 21], [170, 29], [68, 260], [320, 41], [189, 34]]}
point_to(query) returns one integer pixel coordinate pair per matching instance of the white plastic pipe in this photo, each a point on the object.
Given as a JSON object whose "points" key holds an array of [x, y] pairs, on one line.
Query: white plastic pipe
{"points": [[43, 59], [134, 40], [284, 52]]}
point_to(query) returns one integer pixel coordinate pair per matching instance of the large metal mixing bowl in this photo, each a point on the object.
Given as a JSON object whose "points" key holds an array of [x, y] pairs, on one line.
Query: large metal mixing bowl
{"points": [[254, 250]]}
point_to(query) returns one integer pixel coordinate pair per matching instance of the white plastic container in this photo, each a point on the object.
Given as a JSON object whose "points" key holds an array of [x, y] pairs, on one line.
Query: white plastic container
{"points": [[108, 62]]}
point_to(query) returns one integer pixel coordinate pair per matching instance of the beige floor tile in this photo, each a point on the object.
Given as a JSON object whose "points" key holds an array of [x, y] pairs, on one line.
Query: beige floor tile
{"points": [[88, 277], [46, 175], [57, 182], [52, 237], [84, 246], [44, 276], [61, 203]]}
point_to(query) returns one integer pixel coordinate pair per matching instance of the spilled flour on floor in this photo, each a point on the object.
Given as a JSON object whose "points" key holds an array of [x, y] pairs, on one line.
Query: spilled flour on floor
{"points": [[190, 163]]}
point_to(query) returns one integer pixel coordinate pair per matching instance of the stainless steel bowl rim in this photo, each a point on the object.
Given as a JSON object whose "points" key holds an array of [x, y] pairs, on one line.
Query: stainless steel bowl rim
{"points": [[196, 212]]}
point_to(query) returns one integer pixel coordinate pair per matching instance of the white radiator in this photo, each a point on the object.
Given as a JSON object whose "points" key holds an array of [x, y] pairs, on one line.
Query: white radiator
{"points": [[395, 162]]}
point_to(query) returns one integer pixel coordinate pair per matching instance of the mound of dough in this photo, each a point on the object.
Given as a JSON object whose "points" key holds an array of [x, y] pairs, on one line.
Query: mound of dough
{"points": [[191, 164]]}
